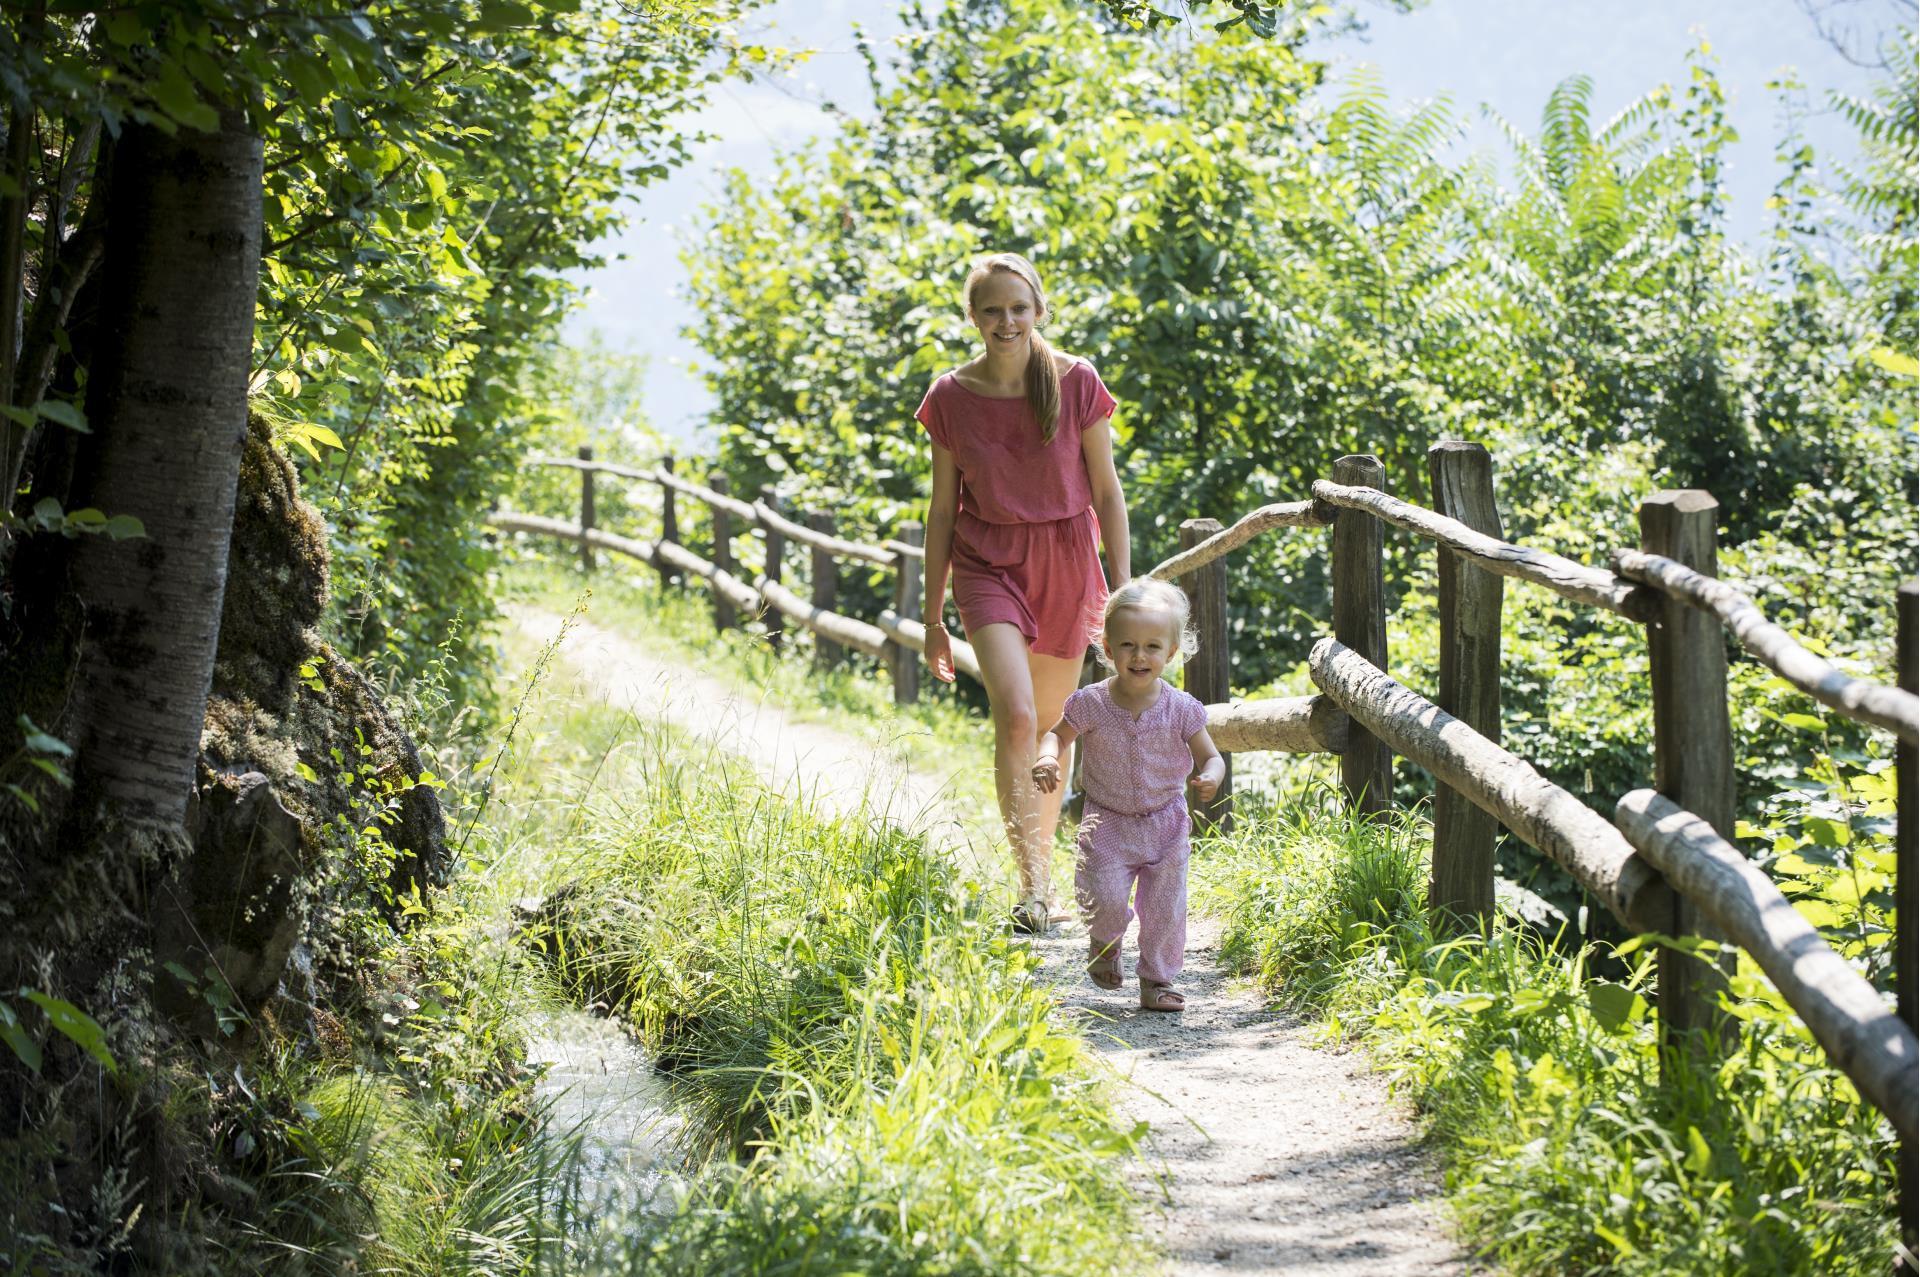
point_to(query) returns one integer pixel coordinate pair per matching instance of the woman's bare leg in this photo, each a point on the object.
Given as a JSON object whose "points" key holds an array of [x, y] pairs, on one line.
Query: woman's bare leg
{"points": [[1004, 667], [1053, 680]]}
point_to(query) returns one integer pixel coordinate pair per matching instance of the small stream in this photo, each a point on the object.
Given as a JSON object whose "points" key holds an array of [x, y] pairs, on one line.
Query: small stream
{"points": [[604, 1091]]}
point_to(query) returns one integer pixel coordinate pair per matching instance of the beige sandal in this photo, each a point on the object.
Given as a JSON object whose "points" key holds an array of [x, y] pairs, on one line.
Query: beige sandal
{"points": [[1030, 918], [1157, 995], [1103, 965]]}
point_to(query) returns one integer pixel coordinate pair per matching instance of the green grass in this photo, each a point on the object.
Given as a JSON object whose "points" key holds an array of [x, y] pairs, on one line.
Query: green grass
{"points": [[941, 734], [1540, 1082], [863, 1056]]}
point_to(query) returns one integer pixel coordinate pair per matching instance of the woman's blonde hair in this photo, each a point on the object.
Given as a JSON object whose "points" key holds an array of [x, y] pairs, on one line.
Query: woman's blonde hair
{"points": [[1043, 377], [1156, 595]]}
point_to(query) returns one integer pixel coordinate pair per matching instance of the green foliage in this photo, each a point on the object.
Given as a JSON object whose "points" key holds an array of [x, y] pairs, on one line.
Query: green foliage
{"points": [[41, 754], [590, 395], [1270, 275], [64, 1018], [832, 1003], [434, 174], [1566, 1147]]}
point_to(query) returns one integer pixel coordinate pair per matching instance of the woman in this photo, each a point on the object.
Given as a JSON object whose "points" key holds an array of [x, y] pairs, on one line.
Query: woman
{"points": [[1023, 477]]}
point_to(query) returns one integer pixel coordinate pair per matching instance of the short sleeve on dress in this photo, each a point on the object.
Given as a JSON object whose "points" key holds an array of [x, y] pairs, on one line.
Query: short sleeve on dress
{"points": [[1100, 404], [1192, 716], [1079, 712], [932, 418]]}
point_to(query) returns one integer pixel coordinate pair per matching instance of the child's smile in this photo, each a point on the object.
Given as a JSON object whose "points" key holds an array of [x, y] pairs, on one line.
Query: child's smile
{"points": [[1140, 641]]}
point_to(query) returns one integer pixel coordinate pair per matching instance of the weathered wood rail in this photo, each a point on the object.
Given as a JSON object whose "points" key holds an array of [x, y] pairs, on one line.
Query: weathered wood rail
{"points": [[1665, 862]]}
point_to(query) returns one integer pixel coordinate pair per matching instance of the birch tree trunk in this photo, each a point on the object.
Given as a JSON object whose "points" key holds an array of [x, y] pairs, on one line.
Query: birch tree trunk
{"points": [[167, 402]]}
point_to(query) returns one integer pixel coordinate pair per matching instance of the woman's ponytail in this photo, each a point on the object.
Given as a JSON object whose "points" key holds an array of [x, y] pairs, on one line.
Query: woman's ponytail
{"points": [[1043, 386]]}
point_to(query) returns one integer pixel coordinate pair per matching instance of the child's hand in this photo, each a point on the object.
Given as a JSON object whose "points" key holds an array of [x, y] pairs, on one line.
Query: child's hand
{"points": [[1046, 774], [1204, 786]]}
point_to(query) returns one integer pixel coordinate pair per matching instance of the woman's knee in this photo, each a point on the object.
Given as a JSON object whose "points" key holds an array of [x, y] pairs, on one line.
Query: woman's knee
{"points": [[1016, 721]]}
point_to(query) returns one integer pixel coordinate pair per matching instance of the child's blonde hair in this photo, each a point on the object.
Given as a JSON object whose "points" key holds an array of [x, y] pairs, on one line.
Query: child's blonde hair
{"points": [[1153, 593]]}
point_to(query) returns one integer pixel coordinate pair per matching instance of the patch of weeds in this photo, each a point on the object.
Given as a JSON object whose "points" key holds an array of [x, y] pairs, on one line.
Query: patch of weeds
{"points": [[1565, 1147], [871, 1081]]}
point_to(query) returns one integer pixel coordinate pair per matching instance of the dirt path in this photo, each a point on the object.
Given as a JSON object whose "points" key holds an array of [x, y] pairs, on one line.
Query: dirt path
{"points": [[1267, 1155]]}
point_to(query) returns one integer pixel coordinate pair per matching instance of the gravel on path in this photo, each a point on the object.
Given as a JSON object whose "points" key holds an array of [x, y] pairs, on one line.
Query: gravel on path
{"points": [[1266, 1154]]}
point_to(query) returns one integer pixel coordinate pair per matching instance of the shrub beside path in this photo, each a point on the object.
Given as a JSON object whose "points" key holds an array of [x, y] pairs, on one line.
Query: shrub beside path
{"points": [[1267, 1154]]}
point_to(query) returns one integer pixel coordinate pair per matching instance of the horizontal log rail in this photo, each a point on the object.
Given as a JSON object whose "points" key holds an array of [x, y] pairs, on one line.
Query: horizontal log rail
{"points": [[700, 492], [598, 467], [1284, 514], [1656, 865], [914, 635], [1577, 838], [1576, 581], [771, 518], [906, 551], [1845, 1014], [1628, 590], [845, 630], [509, 521], [1293, 724], [724, 583], [1857, 698]]}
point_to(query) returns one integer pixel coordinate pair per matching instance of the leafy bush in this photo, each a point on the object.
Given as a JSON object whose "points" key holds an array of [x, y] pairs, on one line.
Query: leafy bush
{"points": [[1569, 1144]]}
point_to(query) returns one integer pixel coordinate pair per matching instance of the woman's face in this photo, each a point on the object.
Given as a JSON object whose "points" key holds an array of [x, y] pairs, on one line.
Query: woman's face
{"points": [[1005, 311]]}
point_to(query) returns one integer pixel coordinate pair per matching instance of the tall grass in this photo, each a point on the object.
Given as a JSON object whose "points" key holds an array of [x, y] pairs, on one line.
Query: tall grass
{"points": [[865, 1059], [1565, 1151]]}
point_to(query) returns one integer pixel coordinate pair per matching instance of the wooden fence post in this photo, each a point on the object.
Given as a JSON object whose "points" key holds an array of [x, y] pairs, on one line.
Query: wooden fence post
{"points": [[1360, 622], [586, 510], [826, 592], [669, 527], [1692, 742], [906, 604], [1208, 674], [724, 614], [776, 552], [1470, 601], [1906, 891]]}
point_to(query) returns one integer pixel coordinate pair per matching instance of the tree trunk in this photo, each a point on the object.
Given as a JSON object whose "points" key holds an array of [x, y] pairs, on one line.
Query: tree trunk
{"points": [[167, 401]]}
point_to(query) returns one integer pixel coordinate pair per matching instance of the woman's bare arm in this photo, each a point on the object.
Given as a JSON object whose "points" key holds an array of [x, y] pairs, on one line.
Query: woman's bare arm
{"points": [[1109, 502], [943, 505]]}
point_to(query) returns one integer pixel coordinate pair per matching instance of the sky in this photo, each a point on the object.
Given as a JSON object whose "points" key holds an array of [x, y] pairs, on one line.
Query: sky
{"points": [[1507, 54]]}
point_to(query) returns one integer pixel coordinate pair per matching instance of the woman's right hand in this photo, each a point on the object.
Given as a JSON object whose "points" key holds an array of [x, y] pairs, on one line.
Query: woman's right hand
{"points": [[940, 651]]}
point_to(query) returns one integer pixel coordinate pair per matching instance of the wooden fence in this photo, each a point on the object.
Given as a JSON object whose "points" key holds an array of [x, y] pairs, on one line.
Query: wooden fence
{"points": [[1664, 863]]}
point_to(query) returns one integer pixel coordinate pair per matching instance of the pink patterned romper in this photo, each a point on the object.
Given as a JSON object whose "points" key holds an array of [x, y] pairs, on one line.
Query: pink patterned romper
{"points": [[1135, 828], [1025, 542]]}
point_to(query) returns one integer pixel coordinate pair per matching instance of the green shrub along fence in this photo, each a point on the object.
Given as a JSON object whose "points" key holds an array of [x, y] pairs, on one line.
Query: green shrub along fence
{"points": [[1664, 864]]}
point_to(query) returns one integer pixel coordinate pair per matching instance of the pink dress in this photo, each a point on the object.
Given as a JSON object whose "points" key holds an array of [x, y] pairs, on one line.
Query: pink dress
{"points": [[1134, 830], [1025, 542]]}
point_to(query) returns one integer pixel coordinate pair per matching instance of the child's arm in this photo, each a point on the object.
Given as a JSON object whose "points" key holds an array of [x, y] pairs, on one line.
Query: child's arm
{"points": [[1209, 769], [1046, 763]]}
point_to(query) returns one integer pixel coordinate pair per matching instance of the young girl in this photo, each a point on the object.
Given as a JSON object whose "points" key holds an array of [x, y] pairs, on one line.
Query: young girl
{"points": [[1022, 477], [1142, 739]]}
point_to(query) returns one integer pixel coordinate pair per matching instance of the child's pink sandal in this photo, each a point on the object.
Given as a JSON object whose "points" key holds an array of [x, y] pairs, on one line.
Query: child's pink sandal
{"points": [[1157, 995], [1103, 965]]}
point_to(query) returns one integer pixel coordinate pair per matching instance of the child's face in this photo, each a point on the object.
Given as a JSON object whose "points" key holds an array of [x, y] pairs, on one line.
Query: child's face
{"points": [[1005, 311], [1140, 641]]}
